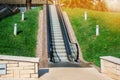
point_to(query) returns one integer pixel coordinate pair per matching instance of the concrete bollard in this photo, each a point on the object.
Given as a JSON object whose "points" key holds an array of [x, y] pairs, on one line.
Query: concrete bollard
{"points": [[85, 16], [15, 29], [97, 30], [23, 16]]}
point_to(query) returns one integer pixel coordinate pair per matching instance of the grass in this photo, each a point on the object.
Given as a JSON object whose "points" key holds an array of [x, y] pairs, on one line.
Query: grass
{"points": [[24, 44], [92, 46]]}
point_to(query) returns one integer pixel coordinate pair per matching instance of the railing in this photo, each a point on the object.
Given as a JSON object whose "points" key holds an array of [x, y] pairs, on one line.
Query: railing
{"points": [[49, 38], [51, 45], [72, 48]]}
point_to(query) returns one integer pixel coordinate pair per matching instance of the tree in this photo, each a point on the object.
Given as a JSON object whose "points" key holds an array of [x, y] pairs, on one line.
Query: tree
{"points": [[89, 4], [76, 3], [28, 4]]}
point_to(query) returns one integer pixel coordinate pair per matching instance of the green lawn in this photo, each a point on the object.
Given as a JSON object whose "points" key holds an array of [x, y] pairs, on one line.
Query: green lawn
{"points": [[107, 43], [24, 44]]}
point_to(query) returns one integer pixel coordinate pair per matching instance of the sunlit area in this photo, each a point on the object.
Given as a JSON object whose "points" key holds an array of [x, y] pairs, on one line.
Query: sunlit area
{"points": [[101, 5], [113, 5], [109, 21]]}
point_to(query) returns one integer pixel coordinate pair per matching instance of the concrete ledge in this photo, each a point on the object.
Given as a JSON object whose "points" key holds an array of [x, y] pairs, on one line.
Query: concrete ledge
{"points": [[111, 59], [110, 66], [19, 67], [19, 58]]}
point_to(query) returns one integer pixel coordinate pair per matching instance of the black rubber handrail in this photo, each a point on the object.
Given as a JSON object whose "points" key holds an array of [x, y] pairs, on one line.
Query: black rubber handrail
{"points": [[49, 38], [66, 34]]}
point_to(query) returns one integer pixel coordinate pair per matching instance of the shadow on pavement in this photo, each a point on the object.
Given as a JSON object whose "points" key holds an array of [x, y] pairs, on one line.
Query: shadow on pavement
{"points": [[43, 72]]}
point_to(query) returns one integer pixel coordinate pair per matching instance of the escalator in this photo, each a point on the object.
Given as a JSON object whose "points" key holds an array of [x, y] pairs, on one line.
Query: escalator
{"points": [[62, 53]]}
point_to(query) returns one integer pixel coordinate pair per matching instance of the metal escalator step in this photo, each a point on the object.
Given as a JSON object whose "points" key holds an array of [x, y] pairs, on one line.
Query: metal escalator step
{"points": [[56, 32], [56, 35], [59, 47], [56, 29], [58, 43], [59, 50], [60, 55], [57, 59], [64, 59], [58, 40], [53, 41], [61, 59]]}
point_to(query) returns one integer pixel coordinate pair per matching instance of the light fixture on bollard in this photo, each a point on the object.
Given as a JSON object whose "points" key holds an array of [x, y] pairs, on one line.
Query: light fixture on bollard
{"points": [[85, 16], [97, 30], [23, 16], [15, 29]]}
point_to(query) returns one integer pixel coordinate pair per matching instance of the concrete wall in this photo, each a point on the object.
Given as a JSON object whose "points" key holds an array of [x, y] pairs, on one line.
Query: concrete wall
{"points": [[19, 67], [111, 67]]}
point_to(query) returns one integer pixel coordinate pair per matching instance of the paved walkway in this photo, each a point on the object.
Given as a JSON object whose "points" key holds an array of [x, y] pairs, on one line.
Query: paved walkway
{"points": [[68, 74], [72, 74]]}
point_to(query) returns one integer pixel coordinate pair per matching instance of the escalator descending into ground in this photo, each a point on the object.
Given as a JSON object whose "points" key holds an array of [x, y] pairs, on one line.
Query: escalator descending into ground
{"points": [[62, 53]]}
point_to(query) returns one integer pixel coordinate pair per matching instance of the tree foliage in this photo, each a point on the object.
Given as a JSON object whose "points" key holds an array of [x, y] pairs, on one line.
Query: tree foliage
{"points": [[89, 4]]}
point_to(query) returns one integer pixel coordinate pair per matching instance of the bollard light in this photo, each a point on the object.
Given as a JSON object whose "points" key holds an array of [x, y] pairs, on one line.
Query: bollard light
{"points": [[97, 30], [85, 16], [15, 29], [23, 16]]}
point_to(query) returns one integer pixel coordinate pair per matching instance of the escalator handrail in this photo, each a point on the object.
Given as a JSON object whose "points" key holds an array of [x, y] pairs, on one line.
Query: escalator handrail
{"points": [[66, 32]]}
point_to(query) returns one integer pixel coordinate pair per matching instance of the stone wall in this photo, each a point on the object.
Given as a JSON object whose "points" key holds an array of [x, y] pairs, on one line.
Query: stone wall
{"points": [[19, 67], [111, 67]]}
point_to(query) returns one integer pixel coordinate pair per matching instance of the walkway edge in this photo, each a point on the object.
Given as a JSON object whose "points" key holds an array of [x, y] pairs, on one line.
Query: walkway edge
{"points": [[41, 50]]}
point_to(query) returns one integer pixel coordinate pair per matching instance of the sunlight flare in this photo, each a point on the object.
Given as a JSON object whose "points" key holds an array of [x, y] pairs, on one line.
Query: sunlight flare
{"points": [[113, 5]]}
